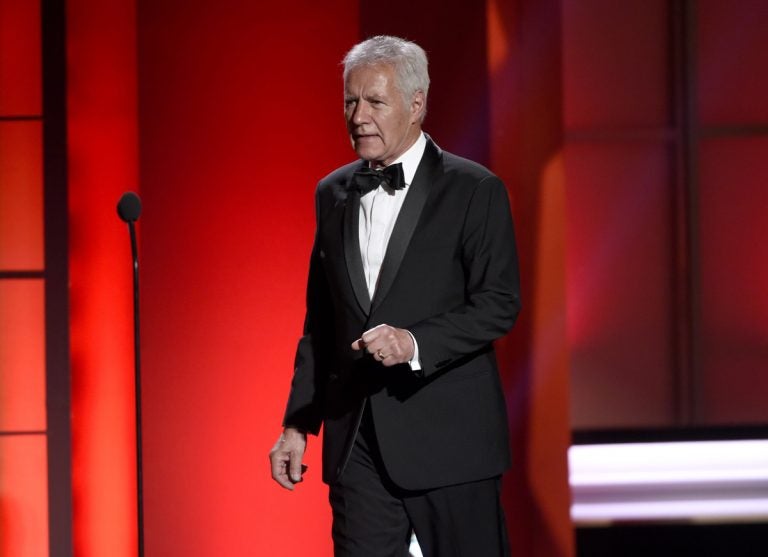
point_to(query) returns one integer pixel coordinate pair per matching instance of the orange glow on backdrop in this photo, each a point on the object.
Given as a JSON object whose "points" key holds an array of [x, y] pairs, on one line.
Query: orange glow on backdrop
{"points": [[549, 412], [498, 42], [524, 62], [22, 355], [24, 501], [21, 195], [102, 140]]}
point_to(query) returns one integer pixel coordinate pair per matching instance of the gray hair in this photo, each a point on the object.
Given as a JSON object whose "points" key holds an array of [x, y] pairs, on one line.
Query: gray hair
{"points": [[408, 59]]}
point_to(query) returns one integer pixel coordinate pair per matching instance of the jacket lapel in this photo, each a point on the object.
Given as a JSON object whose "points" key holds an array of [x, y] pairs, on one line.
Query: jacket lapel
{"points": [[406, 221], [352, 249]]}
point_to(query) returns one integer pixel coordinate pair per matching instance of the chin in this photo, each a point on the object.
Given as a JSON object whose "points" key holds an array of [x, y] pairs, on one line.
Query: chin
{"points": [[368, 154]]}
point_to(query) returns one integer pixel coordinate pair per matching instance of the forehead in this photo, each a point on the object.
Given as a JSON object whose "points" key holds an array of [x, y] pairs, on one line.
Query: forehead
{"points": [[378, 77]]}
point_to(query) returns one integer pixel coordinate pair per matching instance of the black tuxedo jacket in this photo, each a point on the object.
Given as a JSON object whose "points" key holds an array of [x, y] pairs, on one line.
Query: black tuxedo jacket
{"points": [[450, 276]]}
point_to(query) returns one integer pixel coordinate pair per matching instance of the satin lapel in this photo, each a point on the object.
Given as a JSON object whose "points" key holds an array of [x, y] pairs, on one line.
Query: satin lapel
{"points": [[352, 251], [407, 220]]}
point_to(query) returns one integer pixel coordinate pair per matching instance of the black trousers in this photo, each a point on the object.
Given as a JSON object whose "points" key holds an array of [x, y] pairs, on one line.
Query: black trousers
{"points": [[372, 517]]}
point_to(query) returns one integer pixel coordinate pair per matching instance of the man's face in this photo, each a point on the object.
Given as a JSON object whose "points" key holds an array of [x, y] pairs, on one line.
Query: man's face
{"points": [[381, 124]]}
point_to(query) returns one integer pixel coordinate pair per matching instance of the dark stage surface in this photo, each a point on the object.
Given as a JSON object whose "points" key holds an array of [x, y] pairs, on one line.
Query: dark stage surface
{"points": [[674, 540]]}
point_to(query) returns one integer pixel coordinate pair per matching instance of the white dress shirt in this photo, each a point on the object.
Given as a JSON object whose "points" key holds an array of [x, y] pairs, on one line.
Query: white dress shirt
{"points": [[378, 213]]}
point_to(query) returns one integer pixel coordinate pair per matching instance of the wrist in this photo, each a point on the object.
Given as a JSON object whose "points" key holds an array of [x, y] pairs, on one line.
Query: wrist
{"points": [[293, 431]]}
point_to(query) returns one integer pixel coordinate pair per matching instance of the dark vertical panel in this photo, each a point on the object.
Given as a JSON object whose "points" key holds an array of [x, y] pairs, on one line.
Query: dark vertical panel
{"points": [[684, 239], [453, 35], [58, 402]]}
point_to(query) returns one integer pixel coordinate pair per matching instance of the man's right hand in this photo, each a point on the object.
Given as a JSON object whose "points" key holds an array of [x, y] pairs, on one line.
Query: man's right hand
{"points": [[286, 457]]}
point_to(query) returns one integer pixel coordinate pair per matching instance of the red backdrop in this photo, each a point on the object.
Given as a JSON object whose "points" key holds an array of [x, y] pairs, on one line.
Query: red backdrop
{"points": [[240, 115]]}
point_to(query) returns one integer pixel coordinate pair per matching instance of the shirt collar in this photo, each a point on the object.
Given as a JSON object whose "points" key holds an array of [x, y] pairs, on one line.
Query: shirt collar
{"points": [[411, 158]]}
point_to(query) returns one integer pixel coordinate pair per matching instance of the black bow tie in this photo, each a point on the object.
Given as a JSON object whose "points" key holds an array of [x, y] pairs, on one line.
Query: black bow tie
{"points": [[368, 179]]}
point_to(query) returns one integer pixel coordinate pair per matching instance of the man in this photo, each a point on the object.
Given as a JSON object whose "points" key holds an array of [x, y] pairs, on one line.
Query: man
{"points": [[412, 276]]}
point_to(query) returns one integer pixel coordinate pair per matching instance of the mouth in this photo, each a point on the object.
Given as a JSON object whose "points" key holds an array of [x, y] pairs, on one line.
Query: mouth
{"points": [[364, 137]]}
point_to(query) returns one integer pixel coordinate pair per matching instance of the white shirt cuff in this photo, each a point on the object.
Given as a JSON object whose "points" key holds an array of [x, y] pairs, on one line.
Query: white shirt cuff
{"points": [[414, 362]]}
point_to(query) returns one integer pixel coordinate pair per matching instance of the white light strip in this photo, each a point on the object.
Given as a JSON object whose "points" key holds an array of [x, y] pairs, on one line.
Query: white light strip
{"points": [[697, 481]]}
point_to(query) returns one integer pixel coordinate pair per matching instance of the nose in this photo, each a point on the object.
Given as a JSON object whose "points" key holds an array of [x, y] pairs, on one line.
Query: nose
{"points": [[360, 114]]}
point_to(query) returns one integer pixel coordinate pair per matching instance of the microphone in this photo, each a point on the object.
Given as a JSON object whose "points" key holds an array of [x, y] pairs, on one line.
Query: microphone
{"points": [[129, 207]]}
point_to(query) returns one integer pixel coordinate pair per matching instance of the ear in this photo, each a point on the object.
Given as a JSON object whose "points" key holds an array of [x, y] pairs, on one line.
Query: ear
{"points": [[417, 106]]}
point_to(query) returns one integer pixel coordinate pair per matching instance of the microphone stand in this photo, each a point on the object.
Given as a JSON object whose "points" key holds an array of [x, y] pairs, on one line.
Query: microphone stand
{"points": [[129, 209], [137, 383]]}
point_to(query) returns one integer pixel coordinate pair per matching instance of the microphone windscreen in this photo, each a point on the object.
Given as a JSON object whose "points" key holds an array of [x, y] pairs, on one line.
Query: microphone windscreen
{"points": [[129, 207]]}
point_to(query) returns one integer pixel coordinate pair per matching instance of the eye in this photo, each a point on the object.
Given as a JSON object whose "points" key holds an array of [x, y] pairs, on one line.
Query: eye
{"points": [[349, 103]]}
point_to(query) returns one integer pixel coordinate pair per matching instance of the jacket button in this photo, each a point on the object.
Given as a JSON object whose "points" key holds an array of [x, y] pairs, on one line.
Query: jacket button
{"points": [[333, 377]]}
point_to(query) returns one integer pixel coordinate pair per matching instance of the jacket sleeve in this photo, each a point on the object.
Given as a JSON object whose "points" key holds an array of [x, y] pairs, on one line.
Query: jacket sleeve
{"points": [[305, 401], [492, 284]]}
